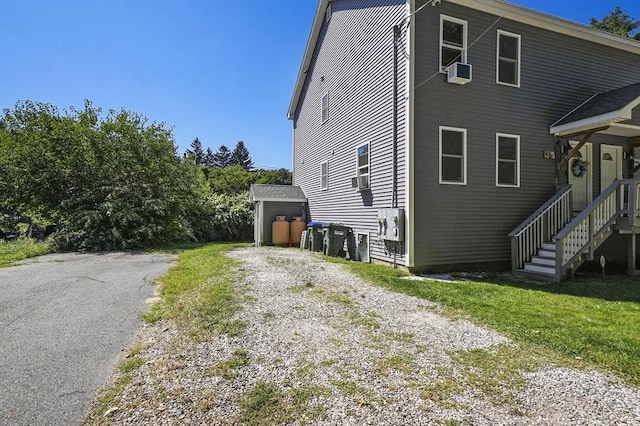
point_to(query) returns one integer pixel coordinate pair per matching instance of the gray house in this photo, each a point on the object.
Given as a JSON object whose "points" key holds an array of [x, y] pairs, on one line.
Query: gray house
{"points": [[463, 134]]}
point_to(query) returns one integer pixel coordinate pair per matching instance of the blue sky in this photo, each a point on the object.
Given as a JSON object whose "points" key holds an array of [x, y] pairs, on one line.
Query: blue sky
{"points": [[222, 71]]}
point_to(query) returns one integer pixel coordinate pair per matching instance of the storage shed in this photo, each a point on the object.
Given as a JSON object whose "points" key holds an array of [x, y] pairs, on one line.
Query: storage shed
{"points": [[275, 200]]}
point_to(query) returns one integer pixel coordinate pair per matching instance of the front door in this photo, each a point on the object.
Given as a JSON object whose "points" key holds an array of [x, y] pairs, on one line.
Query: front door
{"points": [[610, 165], [580, 176]]}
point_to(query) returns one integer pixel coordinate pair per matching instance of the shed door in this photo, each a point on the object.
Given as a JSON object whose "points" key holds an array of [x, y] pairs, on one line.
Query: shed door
{"points": [[610, 165], [581, 181]]}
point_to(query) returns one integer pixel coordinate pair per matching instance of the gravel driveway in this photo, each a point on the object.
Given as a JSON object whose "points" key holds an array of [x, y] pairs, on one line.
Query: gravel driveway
{"points": [[330, 349], [64, 320]]}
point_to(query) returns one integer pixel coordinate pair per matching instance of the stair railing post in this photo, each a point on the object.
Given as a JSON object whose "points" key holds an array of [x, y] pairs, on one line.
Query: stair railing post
{"points": [[632, 202], [559, 259]]}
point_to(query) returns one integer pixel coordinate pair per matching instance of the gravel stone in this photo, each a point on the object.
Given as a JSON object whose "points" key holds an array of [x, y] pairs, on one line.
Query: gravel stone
{"points": [[365, 355]]}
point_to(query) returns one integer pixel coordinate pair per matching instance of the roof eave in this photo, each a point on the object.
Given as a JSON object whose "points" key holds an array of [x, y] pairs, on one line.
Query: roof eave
{"points": [[553, 23], [588, 123], [308, 54]]}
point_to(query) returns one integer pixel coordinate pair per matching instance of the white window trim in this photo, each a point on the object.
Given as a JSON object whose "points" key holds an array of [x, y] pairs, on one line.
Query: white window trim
{"points": [[464, 155], [328, 13], [324, 175], [368, 174], [517, 138], [464, 39], [323, 109], [517, 36]]}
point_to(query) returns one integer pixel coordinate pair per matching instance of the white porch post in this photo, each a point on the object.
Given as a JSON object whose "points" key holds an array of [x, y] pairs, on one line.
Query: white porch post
{"points": [[631, 270]]}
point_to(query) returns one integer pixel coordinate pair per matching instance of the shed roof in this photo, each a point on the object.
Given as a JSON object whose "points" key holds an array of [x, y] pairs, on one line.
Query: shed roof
{"points": [[286, 193], [603, 109]]}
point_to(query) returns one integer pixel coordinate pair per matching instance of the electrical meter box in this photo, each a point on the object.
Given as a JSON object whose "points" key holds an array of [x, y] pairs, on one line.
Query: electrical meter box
{"points": [[391, 224]]}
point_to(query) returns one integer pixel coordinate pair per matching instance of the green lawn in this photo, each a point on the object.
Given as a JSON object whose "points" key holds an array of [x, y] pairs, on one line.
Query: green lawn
{"points": [[11, 251], [594, 322]]}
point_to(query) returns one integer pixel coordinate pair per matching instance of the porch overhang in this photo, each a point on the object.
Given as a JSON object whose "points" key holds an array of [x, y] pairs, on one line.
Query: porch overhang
{"points": [[614, 113]]}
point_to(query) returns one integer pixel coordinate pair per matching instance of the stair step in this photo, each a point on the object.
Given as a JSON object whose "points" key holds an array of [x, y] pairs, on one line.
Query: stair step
{"points": [[547, 253], [540, 269], [549, 246], [544, 261]]}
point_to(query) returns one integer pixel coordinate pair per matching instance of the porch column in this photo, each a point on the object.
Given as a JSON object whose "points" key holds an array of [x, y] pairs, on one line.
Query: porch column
{"points": [[631, 270]]}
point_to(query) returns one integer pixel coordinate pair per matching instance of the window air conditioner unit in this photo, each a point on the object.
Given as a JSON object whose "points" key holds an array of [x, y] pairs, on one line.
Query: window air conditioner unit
{"points": [[363, 182], [459, 73], [354, 182]]}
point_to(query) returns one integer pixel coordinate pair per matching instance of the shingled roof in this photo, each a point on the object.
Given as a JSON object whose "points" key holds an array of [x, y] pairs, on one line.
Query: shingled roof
{"points": [[603, 108], [262, 192]]}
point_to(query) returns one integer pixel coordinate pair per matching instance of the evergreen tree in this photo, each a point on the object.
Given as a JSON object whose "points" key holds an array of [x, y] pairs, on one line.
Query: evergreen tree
{"points": [[618, 22], [221, 158], [196, 151], [209, 158], [240, 156]]}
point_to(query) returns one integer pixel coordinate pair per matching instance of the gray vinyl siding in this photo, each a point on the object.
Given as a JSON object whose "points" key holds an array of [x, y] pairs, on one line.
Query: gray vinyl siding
{"points": [[469, 224], [353, 62]]}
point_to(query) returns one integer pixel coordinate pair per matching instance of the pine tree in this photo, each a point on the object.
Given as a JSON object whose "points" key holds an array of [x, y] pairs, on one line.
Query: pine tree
{"points": [[241, 157], [618, 22], [196, 152], [209, 158], [221, 158]]}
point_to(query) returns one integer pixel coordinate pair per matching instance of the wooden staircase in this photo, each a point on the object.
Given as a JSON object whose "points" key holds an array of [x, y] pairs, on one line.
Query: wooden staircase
{"points": [[543, 263], [552, 245]]}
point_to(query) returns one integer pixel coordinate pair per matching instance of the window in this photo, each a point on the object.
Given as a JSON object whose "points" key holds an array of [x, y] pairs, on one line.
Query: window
{"points": [[453, 155], [363, 166], [453, 41], [507, 160], [324, 173], [325, 107], [508, 59]]}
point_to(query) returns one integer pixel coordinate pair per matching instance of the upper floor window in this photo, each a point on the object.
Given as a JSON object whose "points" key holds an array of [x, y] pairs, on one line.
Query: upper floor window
{"points": [[324, 175], [363, 166], [453, 41], [507, 160], [508, 59], [453, 155], [325, 107]]}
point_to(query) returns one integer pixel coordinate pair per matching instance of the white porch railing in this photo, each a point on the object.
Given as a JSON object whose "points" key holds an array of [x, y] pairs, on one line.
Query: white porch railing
{"points": [[587, 231], [540, 228]]}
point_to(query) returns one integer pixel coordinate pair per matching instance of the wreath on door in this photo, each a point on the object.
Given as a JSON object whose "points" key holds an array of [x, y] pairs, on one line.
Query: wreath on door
{"points": [[579, 167]]}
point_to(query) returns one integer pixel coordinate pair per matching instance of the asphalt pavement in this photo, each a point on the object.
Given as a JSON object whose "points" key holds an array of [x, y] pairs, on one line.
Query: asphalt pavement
{"points": [[64, 321]]}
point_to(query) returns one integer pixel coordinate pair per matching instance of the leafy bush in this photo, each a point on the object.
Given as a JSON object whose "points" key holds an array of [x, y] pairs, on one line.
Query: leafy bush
{"points": [[231, 217]]}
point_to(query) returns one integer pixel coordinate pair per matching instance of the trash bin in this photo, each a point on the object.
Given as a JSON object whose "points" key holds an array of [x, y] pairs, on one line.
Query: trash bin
{"points": [[334, 237], [314, 230]]}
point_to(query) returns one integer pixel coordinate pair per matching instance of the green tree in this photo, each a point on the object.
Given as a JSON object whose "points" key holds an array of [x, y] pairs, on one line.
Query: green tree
{"points": [[209, 158], [618, 22], [230, 180], [240, 156], [222, 157], [113, 183], [273, 177], [196, 152]]}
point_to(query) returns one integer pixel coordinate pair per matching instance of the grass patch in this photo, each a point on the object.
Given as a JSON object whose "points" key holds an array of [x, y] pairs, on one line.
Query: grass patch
{"points": [[497, 371], [24, 248], [592, 322], [227, 369], [199, 292]]}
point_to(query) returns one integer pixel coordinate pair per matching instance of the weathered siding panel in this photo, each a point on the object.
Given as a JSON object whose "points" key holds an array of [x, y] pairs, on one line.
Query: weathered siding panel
{"points": [[469, 224], [353, 63]]}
